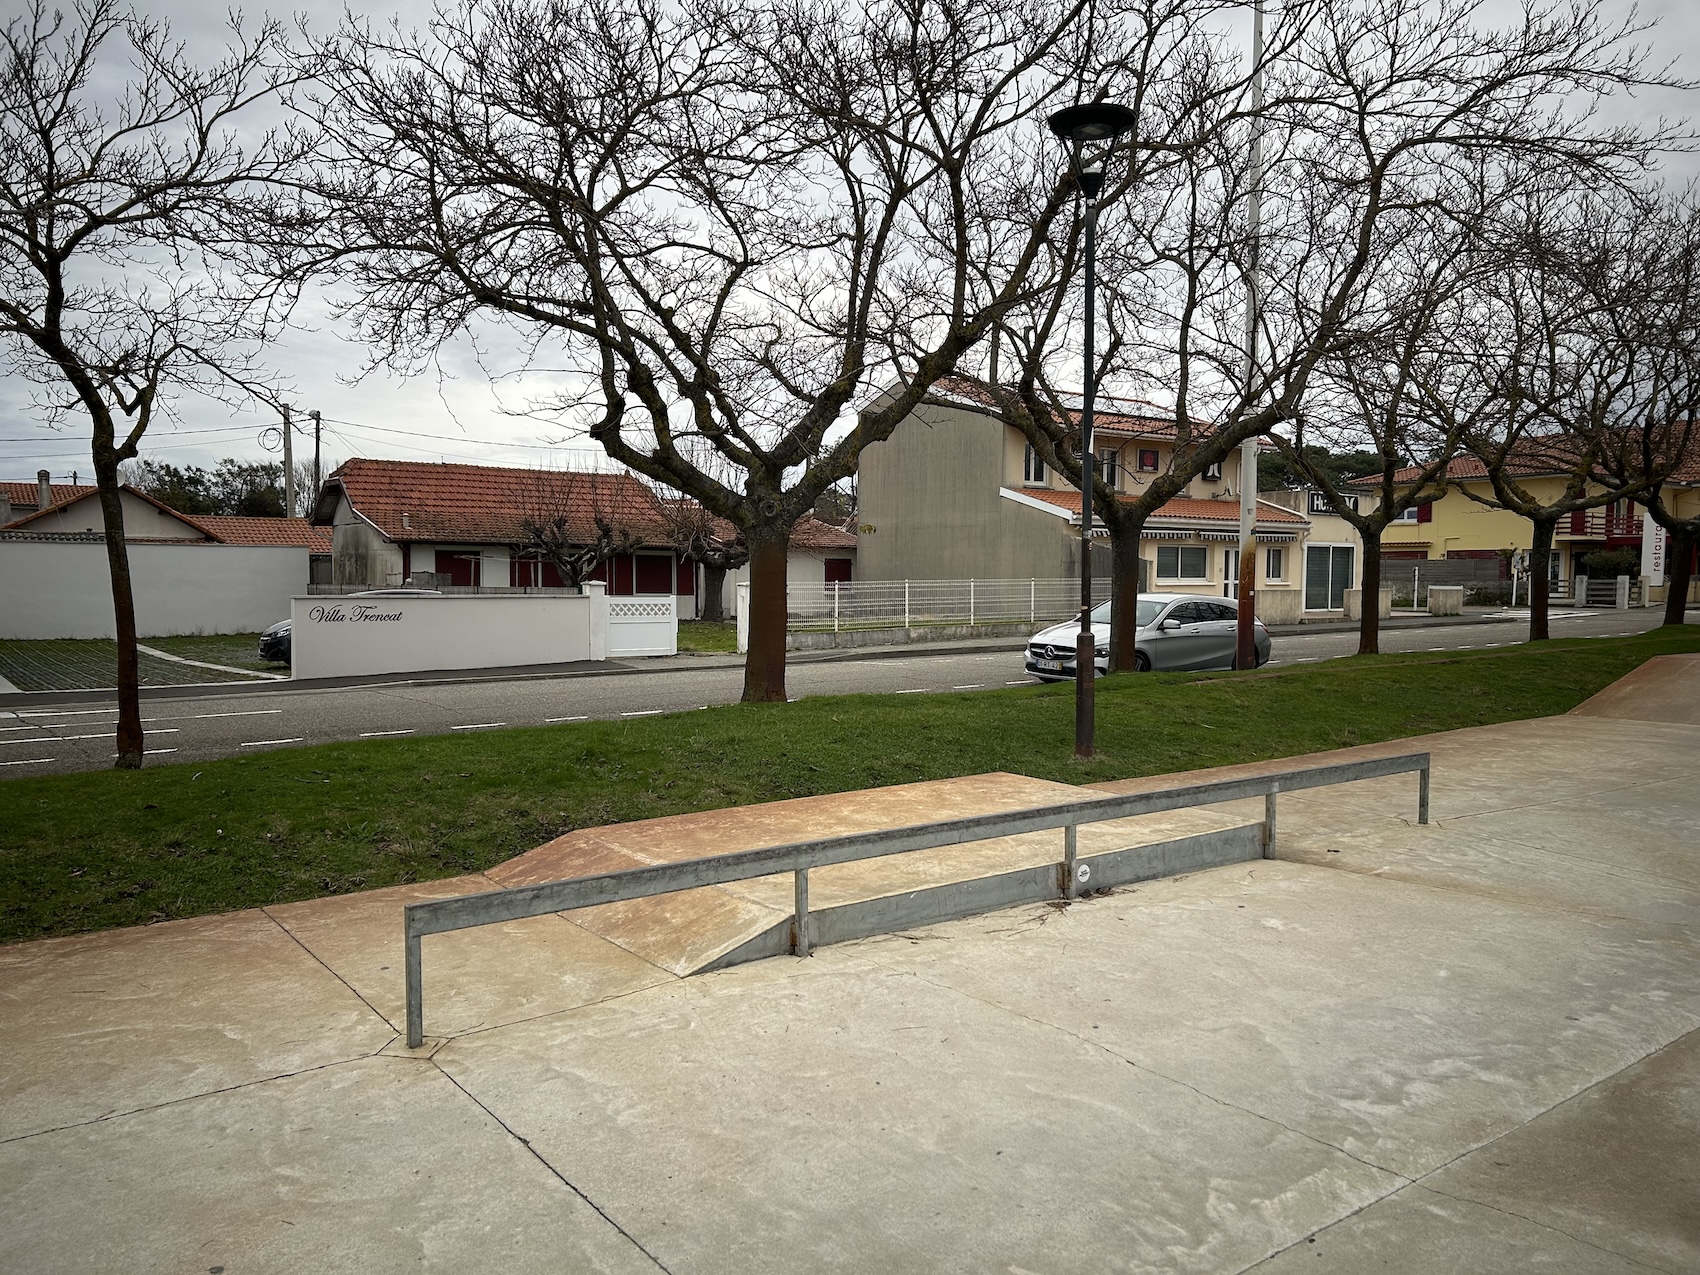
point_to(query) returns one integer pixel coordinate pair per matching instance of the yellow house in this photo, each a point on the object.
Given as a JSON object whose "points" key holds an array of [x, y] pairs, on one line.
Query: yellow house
{"points": [[1458, 525]]}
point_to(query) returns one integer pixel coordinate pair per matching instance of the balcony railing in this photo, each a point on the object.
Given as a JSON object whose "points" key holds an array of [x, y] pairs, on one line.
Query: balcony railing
{"points": [[1606, 523]]}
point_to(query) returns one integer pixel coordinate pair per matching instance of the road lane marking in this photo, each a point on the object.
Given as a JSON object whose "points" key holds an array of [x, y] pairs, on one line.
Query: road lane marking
{"points": [[374, 734], [33, 761], [550, 721], [153, 752], [478, 726], [64, 712], [261, 743], [644, 712], [1022, 682], [196, 717], [919, 690], [972, 686]]}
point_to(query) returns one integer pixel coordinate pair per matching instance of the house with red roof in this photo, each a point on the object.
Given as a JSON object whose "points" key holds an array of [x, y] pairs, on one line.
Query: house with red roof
{"points": [[958, 493], [189, 573], [443, 525]]}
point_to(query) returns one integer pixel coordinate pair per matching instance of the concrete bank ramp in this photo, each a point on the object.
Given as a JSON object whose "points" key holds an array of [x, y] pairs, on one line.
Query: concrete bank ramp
{"points": [[1664, 689], [694, 930]]}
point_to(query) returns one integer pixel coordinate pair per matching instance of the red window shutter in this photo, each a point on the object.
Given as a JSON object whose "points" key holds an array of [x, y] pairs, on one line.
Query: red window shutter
{"points": [[654, 573], [1425, 511], [686, 571], [838, 570]]}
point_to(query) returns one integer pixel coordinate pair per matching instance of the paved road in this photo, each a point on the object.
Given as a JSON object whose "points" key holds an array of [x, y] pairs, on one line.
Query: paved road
{"points": [[73, 737]]}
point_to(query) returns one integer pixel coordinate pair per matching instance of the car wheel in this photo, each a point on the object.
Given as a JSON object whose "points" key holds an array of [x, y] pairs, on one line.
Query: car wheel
{"points": [[1141, 662]]}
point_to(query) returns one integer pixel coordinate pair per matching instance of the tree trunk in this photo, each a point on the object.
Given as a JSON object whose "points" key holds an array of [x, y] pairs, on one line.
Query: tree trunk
{"points": [[764, 664], [1124, 592], [713, 593], [123, 617], [1369, 597], [1540, 578], [1679, 554]]}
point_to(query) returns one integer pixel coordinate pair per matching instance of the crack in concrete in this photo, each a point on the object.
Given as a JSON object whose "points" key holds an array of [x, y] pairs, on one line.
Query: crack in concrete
{"points": [[556, 1173]]}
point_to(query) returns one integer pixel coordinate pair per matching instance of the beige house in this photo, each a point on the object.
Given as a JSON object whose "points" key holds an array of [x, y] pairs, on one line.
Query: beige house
{"points": [[956, 493]]}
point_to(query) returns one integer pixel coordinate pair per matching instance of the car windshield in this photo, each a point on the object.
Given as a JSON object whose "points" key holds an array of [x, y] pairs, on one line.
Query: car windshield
{"points": [[1148, 610]]}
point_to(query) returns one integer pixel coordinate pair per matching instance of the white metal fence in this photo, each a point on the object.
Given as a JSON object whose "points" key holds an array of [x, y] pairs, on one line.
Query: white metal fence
{"points": [[892, 604]]}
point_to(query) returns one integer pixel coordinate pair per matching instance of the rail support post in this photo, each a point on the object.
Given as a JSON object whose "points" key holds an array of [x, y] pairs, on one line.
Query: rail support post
{"points": [[1071, 852], [1422, 794], [415, 986], [800, 923], [1269, 820]]}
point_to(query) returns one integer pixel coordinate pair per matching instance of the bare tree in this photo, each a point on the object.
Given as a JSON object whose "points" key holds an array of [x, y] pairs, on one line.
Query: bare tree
{"points": [[704, 537], [1590, 361], [1375, 111], [130, 214], [1395, 393], [576, 522], [736, 222]]}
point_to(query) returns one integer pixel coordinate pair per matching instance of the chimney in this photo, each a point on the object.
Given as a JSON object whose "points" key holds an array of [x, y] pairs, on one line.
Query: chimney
{"points": [[5, 507], [43, 489]]}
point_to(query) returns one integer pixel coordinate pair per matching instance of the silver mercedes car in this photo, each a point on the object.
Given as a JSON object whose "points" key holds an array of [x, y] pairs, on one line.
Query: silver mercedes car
{"points": [[1176, 631]]}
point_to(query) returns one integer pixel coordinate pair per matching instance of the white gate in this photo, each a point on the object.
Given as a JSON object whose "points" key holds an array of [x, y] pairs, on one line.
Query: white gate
{"points": [[647, 624]]}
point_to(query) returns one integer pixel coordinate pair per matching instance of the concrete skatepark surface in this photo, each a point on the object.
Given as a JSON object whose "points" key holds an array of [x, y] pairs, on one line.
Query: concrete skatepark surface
{"points": [[1466, 1046]]}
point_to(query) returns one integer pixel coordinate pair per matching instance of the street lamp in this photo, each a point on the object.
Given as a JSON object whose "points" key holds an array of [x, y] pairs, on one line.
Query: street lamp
{"points": [[1095, 125]]}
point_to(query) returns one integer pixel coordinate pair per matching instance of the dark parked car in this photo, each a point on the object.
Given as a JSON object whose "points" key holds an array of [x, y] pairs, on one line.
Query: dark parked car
{"points": [[274, 642], [1176, 631]]}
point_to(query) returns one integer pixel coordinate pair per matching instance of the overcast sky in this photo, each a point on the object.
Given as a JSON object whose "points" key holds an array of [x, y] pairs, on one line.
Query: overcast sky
{"points": [[462, 414]]}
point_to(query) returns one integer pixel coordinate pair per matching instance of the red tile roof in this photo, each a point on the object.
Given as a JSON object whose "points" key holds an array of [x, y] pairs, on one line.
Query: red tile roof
{"points": [[1532, 457], [233, 530], [27, 493], [1183, 507], [811, 534], [483, 504], [82, 493]]}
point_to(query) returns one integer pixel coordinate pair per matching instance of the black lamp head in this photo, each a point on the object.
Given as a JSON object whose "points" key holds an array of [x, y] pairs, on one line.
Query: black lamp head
{"points": [[1092, 122]]}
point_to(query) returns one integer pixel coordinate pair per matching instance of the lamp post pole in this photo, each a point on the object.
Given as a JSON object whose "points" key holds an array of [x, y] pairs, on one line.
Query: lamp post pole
{"points": [[1085, 645], [1245, 645], [1102, 123]]}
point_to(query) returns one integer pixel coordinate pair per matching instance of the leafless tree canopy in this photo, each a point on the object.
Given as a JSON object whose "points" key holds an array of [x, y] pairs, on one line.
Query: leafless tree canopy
{"points": [[138, 233], [1384, 121], [732, 221]]}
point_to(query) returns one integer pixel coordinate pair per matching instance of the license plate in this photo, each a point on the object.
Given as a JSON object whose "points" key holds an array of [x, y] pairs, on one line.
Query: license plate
{"points": [[1052, 665]]}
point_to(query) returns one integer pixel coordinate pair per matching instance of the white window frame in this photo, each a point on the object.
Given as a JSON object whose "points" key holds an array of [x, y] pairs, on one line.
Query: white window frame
{"points": [[1409, 515], [1275, 552], [1109, 466], [1177, 578], [1033, 471]]}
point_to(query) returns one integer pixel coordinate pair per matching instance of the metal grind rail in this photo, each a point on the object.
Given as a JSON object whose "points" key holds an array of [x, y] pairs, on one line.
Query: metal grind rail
{"points": [[493, 907]]}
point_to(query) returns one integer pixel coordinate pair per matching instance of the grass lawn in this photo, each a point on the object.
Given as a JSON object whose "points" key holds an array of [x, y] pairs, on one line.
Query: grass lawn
{"points": [[73, 664], [708, 637], [120, 848]]}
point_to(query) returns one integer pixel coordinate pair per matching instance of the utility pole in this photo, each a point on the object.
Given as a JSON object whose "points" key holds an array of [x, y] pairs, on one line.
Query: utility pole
{"points": [[317, 479], [288, 465], [1245, 654]]}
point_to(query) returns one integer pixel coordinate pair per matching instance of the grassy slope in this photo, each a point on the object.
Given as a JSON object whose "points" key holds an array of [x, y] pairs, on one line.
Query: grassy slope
{"points": [[111, 848]]}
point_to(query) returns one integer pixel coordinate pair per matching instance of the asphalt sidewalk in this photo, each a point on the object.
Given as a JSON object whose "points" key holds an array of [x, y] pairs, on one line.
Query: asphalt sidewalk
{"points": [[656, 664], [1467, 1046]]}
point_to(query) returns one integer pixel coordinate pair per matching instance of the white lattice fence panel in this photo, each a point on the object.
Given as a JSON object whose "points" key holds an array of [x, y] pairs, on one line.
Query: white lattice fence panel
{"points": [[645, 625]]}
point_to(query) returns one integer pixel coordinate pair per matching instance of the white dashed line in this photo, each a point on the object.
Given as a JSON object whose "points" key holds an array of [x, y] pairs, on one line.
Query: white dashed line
{"points": [[33, 739], [550, 721], [196, 717], [1307, 659], [261, 743], [33, 761], [153, 752], [1019, 682], [972, 686], [644, 712], [65, 712], [375, 734], [919, 690], [479, 726]]}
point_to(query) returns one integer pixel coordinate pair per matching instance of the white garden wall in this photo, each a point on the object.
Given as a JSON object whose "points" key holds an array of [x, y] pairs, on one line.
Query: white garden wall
{"points": [[352, 636], [60, 589]]}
